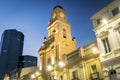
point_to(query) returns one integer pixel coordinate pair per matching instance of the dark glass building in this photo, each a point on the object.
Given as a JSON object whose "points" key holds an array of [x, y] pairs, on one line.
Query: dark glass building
{"points": [[27, 61], [11, 47]]}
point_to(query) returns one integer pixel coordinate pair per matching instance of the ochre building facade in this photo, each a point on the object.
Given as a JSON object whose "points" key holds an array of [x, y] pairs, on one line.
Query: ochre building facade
{"points": [[59, 57]]}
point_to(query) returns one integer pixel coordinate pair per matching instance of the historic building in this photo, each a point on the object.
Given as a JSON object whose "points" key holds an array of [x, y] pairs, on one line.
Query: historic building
{"points": [[84, 63], [107, 30], [59, 57], [58, 43]]}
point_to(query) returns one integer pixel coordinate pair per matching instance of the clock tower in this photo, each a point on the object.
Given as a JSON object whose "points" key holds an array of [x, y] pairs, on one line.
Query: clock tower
{"points": [[59, 41]]}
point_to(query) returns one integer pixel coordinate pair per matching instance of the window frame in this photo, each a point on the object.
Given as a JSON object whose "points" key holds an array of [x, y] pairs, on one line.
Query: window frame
{"points": [[106, 45], [98, 21], [115, 11]]}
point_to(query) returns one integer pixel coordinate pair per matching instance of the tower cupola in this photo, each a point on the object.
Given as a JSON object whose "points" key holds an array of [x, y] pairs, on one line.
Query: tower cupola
{"points": [[58, 13]]}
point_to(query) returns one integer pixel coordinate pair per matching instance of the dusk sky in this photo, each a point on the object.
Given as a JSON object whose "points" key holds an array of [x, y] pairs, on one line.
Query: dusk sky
{"points": [[31, 18]]}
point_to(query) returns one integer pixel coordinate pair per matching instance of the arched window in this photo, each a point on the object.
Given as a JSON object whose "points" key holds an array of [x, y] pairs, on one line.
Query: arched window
{"points": [[64, 33]]}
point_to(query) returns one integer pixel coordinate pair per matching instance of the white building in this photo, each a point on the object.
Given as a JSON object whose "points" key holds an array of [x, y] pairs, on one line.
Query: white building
{"points": [[107, 30]]}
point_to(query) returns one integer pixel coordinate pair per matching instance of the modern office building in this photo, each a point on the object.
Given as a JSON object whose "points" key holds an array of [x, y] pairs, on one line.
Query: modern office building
{"points": [[107, 30], [27, 61], [11, 47]]}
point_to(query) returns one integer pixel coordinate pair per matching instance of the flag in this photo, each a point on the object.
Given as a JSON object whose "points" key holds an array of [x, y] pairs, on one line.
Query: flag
{"points": [[49, 22]]}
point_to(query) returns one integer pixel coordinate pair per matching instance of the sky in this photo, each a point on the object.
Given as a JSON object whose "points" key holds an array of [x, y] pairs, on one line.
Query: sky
{"points": [[31, 18]]}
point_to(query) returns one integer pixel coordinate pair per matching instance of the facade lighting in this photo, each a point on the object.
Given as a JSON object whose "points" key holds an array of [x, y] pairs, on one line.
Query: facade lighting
{"points": [[49, 67], [104, 21], [37, 73], [95, 50], [32, 76], [61, 64]]}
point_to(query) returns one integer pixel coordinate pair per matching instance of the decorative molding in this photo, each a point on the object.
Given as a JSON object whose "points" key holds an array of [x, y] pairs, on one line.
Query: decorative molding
{"points": [[102, 34], [117, 26]]}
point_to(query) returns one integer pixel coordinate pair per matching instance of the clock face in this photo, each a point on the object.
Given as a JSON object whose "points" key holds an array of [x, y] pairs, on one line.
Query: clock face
{"points": [[62, 15], [54, 15]]}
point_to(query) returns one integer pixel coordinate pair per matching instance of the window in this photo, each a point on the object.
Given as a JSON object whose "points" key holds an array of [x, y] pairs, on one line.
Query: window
{"points": [[106, 45], [34, 62], [98, 21], [54, 31], [18, 39], [115, 11], [49, 61], [75, 75], [94, 69], [64, 33], [94, 74], [29, 61], [61, 77], [4, 51]]}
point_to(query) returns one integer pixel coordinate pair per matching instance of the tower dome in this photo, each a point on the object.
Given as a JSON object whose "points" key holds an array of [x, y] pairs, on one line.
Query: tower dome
{"points": [[58, 6]]}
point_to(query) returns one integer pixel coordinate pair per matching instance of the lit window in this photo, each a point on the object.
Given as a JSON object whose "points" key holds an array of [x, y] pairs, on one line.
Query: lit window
{"points": [[115, 11], [24, 61], [106, 45], [29, 61], [4, 51], [18, 39]]}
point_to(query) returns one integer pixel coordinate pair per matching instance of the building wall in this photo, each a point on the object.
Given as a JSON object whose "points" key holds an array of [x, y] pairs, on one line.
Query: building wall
{"points": [[27, 61], [108, 38]]}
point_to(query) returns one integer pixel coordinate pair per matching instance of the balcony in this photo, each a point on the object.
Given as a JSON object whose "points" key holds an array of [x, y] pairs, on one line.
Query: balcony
{"points": [[50, 39], [95, 76]]}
